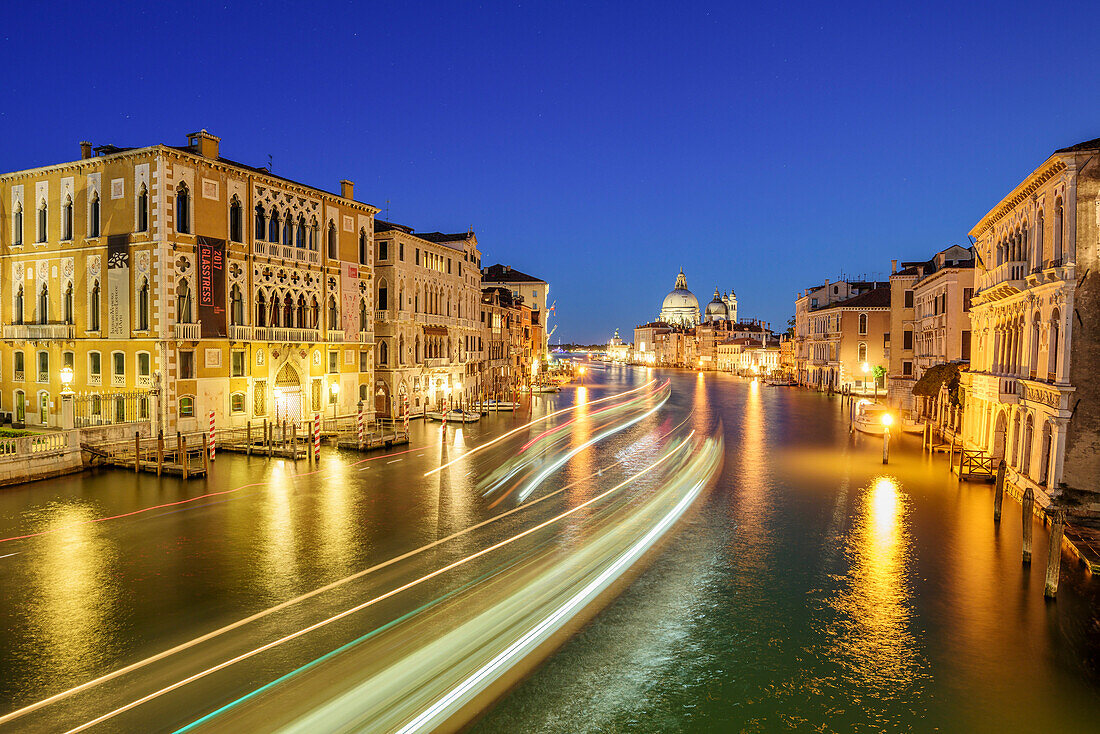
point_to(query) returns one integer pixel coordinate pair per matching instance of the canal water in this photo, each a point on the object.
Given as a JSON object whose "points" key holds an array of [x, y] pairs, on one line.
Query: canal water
{"points": [[817, 590]]}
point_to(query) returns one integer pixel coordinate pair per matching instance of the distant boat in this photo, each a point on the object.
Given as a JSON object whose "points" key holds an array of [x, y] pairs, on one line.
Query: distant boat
{"points": [[454, 416], [496, 406], [781, 382]]}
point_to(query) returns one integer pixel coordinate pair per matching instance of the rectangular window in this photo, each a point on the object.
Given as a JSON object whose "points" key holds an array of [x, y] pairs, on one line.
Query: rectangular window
{"points": [[236, 359], [401, 251], [448, 266], [908, 299], [968, 295], [966, 347], [119, 363], [187, 407], [907, 340], [93, 363], [364, 361], [143, 364], [187, 365], [383, 250], [907, 368], [236, 402], [333, 365], [418, 256], [68, 359]]}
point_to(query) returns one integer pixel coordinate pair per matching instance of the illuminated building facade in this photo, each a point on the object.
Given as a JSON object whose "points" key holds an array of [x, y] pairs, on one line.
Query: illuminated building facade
{"points": [[175, 282], [429, 339], [1031, 395]]}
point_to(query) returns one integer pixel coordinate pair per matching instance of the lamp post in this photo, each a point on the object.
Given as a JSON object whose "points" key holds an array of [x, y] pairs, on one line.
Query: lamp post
{"points": [[887, 420], [334, 389], [68, 418]]}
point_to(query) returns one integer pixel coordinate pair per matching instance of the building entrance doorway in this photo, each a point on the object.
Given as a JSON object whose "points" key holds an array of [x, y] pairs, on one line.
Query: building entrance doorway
{"points": [[288, 395]]}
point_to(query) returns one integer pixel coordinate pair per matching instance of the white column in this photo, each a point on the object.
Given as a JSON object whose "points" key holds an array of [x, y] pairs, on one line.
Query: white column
{"points": [[1057, 453]]}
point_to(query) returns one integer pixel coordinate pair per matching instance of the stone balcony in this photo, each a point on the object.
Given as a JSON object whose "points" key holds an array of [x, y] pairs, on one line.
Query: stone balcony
{"points": [[187, 332], [1005, 280], [239, 333], [39, 332], [281, 335], [334, 336]]}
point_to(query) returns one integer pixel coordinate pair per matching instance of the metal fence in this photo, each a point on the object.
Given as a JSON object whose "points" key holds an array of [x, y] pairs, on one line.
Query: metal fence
{"points": [[104, 409]]}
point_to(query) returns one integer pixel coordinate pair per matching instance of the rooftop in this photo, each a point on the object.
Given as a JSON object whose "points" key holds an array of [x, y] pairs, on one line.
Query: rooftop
{"points": [[506, 274]]}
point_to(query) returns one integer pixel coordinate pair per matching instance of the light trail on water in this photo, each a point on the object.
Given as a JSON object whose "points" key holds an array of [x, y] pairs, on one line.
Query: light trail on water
{"points": [[371, 602]]}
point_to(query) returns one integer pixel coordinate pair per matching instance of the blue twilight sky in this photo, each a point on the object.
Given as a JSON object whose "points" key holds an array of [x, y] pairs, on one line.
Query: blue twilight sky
{"points": [[761, 146]]}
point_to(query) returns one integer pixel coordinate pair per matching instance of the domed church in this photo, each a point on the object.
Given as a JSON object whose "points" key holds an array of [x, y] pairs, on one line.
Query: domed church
{"points": [[680, 307], [722, 307]]}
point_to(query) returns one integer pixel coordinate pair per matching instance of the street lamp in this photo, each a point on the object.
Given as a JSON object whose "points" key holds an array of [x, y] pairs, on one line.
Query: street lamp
{"points": [[582, 369], [887, 421], [334, 389], [66, 375]]}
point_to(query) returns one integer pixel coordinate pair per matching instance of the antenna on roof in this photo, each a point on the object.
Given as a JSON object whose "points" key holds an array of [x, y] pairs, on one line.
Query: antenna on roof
{"points": [[269, 164], [387, 210]]}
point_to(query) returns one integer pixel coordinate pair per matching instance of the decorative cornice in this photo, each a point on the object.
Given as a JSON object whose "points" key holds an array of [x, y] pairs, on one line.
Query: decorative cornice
{"points": [[1023, 191]]}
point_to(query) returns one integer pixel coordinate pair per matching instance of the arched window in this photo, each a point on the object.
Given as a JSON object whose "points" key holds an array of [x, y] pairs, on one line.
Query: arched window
{"points": [[276, 310], [363, 247], [383, 353], [1037, 257], [93, 308], [383, 295], [332, 240], [301, 239], [273, 226], [93, 216], [401, 349], [67, 218], [143, 305], [312, 233], [17, 225], [236, 306], [261, 310], [183, 302], [303, 314], [19, 312], [260, 225], [44, 305], [142, 209], [364, 316], [288, 230], [67, 306], [416, 349], [863, 323], [288, 311], [861, 352], [43, 211], [236, 220], [183, 209], [333, 316], [1058, 231]]}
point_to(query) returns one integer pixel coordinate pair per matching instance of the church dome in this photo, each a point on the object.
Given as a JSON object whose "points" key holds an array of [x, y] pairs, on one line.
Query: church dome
{"points": [[716, 309], [680, 306]]}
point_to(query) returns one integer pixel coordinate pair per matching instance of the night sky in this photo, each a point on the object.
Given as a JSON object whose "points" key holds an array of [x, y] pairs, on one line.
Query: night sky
{"points": [[763, 147]]}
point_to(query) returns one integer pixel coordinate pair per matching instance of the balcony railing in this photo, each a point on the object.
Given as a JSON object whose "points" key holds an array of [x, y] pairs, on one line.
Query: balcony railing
{"points": [[285, 335], [43, 376], [39, 331], [144, 380], [1009, 274], [95, 380], [189, 332], [1008, 390], [240, 333], [118, 380], [382, 315], [259, 247], [366, 337], [19, 375], [334, 335]]}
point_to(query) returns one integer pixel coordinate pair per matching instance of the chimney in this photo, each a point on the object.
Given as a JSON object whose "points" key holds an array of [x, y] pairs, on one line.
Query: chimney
{"points": [[85, 150], [204, 144], [347, 189], [893, 266]]}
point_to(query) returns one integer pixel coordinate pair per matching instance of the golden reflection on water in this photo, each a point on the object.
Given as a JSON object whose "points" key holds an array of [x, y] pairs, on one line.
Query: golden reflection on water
{"points": [[73, 604], [335, 525], [873, 640], [277, 552]]}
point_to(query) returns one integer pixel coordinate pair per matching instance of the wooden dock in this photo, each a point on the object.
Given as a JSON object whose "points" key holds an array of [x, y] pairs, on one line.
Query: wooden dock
{"points": [[287, 440], [183, 455]]}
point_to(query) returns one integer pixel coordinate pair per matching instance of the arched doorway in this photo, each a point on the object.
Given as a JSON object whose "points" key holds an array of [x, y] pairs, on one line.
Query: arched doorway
{"points": [[288, 394], [999, 435], [382, 399]]}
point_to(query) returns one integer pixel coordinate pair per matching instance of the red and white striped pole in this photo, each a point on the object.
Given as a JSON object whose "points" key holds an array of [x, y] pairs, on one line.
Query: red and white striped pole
{"points": [[359, 425], [210, 441], [317, 436]]}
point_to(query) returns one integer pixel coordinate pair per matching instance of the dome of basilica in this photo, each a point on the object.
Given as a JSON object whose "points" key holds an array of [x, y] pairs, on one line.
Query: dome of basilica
{"points": [[680, 306], [716, 309]]}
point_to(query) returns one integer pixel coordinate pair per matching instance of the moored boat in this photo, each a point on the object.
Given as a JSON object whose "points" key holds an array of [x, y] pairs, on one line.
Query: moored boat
{"points": [[454, 416]]}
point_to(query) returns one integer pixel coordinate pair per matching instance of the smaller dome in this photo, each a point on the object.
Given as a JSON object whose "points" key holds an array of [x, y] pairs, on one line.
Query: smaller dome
{"points": [[716, 309]]}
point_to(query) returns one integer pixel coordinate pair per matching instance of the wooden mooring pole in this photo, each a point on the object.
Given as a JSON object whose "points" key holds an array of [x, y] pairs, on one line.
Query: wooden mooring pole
{"points": [[1028, 521], [999, 491], [160, 452], [137, 451], [1054, 557], [248, 438]]}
